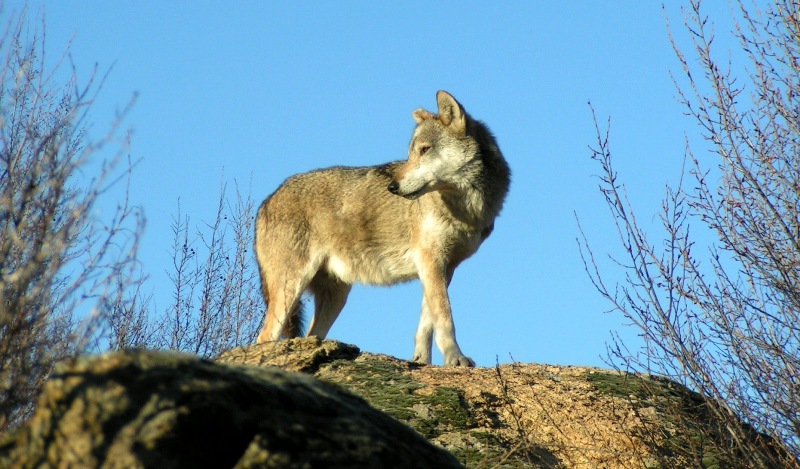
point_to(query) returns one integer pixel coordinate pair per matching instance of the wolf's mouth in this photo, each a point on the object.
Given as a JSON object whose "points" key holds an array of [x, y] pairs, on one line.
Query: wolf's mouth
{"points": [[414, 195]]}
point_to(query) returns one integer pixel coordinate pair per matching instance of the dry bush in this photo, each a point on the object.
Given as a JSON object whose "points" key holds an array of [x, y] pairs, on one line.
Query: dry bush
{"points": [[61, 268], [724, 319], [69, 281], [216, 300]]}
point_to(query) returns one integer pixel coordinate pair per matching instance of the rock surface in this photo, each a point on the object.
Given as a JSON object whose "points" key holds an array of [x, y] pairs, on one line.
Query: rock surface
{"points": [[251, 409], [162, 410], [516, 415]]}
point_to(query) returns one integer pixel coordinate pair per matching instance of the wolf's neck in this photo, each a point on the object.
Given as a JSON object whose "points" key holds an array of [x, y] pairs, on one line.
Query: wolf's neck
{"points": [[469, 206]]}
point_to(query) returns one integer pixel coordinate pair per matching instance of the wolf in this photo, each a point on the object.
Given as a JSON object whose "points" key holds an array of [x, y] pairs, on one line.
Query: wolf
{"points": [[324, 230]]}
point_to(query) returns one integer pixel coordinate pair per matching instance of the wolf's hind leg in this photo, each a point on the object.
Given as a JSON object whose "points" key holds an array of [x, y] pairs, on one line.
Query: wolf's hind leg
{"points": [[284, 309], [330, 295]]}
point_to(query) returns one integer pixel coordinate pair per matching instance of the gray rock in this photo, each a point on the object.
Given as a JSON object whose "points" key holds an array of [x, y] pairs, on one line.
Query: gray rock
{"points": [[299, 354], [162, 409]]}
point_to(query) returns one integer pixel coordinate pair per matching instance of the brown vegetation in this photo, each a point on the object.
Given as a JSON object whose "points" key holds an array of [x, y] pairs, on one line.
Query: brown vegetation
{"points": [[62, 270], [724, 319]]}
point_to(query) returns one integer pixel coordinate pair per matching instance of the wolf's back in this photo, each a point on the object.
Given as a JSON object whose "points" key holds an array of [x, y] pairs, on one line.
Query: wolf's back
{"points": [[343, 218]]}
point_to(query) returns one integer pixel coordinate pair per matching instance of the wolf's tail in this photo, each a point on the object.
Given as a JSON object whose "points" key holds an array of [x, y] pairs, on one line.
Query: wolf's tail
{"points": [[295, 321]]}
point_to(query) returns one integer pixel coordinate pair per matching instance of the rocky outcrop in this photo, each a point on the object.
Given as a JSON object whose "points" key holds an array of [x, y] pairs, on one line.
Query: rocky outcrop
{"points": [[518, 415], [250, 408], [162, 410]]}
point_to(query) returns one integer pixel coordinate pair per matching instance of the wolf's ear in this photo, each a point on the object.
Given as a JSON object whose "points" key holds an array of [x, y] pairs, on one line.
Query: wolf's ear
{"points": [[451, 113], [421, 114]]}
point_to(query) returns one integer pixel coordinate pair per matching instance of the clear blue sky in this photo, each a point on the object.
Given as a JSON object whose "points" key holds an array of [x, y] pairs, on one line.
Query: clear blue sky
{"points": [[264, 90]]}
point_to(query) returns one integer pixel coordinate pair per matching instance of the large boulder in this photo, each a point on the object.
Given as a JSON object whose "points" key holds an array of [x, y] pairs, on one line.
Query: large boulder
{"points": [[160, 409], [157, 409], [523, 414]]}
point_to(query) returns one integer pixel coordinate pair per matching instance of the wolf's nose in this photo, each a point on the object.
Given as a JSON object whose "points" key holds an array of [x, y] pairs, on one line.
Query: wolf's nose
{"points": [[393, 187]]}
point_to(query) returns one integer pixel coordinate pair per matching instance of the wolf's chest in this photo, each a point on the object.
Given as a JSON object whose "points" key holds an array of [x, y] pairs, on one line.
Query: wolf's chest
{"points": [[449, 234]]}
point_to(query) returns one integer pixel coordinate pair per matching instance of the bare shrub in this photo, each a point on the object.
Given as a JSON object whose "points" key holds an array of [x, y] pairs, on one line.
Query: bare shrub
{"points": [[216, 302], [61, 268], [724, 319], [128, 323]]}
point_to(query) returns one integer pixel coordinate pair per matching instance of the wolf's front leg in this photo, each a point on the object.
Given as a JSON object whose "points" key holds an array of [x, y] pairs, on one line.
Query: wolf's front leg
{"points": [[452, 352], [435, 296], [423, 340]]}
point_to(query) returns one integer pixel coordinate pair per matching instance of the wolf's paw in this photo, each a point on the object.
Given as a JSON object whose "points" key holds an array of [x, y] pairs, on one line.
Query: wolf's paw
{"points": [[422, 359], [460, 361]]}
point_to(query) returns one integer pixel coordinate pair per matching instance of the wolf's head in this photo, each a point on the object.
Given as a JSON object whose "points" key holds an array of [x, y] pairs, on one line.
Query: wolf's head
{"points": [[442, 155]]}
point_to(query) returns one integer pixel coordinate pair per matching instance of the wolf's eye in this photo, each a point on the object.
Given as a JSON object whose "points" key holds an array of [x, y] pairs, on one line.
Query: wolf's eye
{"points": [[424, 149]]}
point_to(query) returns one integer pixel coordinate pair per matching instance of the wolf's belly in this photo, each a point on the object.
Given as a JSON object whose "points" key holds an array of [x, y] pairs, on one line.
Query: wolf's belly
{"points": [[373, 268]]}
